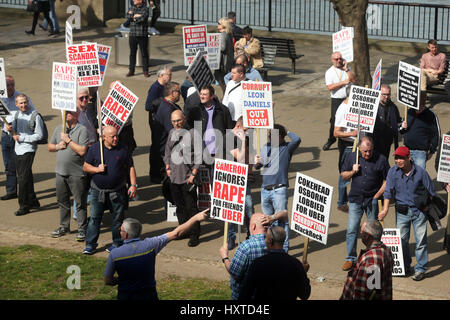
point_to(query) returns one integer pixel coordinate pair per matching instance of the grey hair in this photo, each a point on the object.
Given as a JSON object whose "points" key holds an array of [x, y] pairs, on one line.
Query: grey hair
{"points": [[83, 89], [133, 227], [277, 234], [163, 71], [369, 139], [374, 228]]}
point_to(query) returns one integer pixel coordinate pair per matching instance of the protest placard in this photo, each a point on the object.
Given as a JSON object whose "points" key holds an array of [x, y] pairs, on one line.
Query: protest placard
{"points": [[204, 190], [3, 89], [257, 104], [4, 111], [376, 78], [311, 208], [213, 49], [104, 52], [64, 86], [408, 85], [118, 106], [194, 40], [85, 57], [343, 43], [229, 188], [200, 73], [392, 239], [363, 104], [444, 160], [171, 212]]}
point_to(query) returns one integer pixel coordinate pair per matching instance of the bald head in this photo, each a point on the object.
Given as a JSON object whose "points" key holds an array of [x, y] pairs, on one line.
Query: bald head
{"points": [[110, 137], [337, 60], [256, 224], [178, 119]]}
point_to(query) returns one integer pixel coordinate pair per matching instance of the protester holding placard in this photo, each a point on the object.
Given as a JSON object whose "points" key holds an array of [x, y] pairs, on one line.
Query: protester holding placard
{"points": [[70, 145], [371, 278], [138, 14], [346, 138], [8, 141], [233, 93], [86, 115], [154, 97], [26, 138], [387, 123], [182, 166], [402, 181], [288, 278], [275, 158], [337, 78], [367, 187], [250, 73], [108, 186], [421, 133]]}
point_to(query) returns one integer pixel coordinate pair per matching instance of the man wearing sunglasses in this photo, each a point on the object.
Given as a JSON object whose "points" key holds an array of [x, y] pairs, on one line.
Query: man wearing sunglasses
{"points": [[86, 118]]}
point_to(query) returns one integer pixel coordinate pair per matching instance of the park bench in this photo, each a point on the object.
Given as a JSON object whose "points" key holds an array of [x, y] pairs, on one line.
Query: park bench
{"points": [[444, 79], [285, 49], [268, 53]]}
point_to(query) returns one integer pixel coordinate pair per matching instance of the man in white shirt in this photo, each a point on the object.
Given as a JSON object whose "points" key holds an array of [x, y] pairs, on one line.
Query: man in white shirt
{"points": [[233, 92], [8, 141], [337, 77]]}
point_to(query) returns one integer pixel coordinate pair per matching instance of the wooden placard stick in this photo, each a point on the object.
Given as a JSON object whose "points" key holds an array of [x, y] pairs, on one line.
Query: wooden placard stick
{"points": [[380, 208], [99, 119], [305, 251]]}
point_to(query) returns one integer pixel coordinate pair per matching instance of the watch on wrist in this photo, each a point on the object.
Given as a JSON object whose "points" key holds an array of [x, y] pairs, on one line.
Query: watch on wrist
{"points": [[134, 185], [226, 258]]}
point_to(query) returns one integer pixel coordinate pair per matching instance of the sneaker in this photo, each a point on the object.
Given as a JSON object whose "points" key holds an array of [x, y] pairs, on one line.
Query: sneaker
{"points": [[59, 232], [343, 208], [110, 248], [418, 276], [89, 250], [81, 236]]}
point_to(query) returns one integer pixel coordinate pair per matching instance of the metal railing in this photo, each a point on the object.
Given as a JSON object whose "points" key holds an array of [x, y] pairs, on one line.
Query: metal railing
{"points": [[392, 20], [385, 20]]}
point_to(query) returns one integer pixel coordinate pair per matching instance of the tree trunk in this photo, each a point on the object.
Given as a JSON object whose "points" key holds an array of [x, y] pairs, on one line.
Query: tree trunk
{"points": [[352, 13]]}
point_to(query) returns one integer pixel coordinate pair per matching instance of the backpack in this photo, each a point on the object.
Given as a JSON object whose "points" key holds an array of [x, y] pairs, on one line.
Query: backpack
{"points": [[32, 126]]}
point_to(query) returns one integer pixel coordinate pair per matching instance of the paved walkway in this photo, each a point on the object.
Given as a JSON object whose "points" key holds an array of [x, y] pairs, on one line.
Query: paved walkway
{"points": [[301, 104]]}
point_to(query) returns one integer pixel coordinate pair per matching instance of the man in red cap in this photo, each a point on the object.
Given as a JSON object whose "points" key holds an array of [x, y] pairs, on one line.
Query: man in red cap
{"points": [[405, 183]]}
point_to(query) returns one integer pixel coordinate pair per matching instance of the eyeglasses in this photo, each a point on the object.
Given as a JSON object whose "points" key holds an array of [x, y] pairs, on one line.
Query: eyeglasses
{"points": [[83, 98]]}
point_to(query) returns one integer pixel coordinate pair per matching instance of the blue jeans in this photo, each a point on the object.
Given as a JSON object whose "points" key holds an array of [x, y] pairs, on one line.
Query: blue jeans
{"points": [[355, 213], [52, 16], [273, 201], [419, 158], [419, 222], [249, 210], [116, 208], [342, 184], [9, 162]]}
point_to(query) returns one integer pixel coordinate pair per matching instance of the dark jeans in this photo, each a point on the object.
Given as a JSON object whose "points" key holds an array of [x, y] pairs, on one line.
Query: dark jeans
{"points": [[10, 163], [186, 202], [116, 208], [156, 12], [335, 103], [26, 195], [45, 8], [143, 47]]}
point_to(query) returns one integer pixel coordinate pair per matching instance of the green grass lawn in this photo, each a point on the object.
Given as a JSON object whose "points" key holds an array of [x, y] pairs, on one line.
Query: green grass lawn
{"points": [[35, 273]]}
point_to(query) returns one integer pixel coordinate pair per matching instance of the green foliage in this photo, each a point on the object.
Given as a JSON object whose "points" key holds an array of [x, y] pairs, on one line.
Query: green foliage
{"points": [[35, 273]]}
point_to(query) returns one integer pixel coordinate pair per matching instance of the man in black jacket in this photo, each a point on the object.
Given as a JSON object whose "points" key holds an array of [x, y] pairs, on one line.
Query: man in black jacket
{"points": [[276, 275], [213, 116], [421, 133]]}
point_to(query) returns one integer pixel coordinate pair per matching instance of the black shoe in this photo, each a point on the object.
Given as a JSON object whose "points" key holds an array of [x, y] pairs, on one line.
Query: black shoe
{"points": [[22, 211], [327, 146], [9, 196], [42, 27], [53, 33], [35, 205], [29, 32], [193, 242]]}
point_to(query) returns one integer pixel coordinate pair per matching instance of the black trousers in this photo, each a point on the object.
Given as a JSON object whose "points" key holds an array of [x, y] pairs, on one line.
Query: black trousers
{"points": [[26, 194], [155, 15], [335, 103], [186, 202], [43, 7], [142, 42]]}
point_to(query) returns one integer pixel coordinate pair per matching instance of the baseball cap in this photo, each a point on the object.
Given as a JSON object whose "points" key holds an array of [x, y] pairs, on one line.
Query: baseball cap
{"points": [[402, 151]]}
